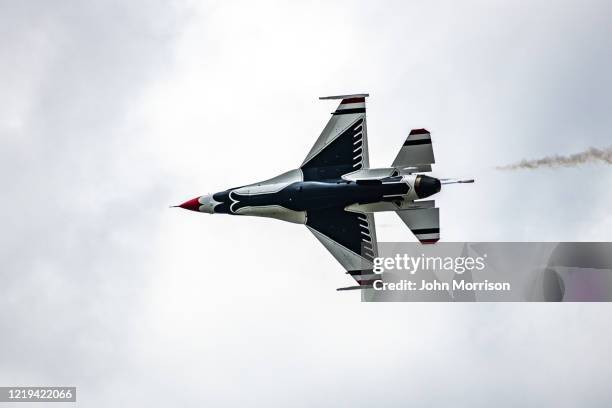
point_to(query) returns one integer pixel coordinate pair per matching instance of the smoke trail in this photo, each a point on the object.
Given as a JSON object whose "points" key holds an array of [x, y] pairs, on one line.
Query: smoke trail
{"points": [[591, 155]]}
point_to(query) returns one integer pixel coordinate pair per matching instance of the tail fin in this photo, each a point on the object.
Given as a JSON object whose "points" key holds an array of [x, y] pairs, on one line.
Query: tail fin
{"points": [[424, 223], [416, 154]]}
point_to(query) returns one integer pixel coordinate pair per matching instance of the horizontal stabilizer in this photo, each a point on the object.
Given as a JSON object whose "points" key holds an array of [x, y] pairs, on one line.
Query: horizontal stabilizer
{"points": [[424, 223], [416, 154]]}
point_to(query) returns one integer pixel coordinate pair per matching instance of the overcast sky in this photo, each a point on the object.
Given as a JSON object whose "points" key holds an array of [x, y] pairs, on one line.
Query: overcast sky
{"points": [[110, 111]]}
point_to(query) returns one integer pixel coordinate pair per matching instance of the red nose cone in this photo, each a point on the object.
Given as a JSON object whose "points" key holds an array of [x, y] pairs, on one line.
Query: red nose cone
{"points": [[193, 204]]}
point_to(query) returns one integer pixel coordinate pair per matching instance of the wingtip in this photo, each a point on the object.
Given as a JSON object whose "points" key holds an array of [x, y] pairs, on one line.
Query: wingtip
{"points": [[360, 95], [421, 131]]}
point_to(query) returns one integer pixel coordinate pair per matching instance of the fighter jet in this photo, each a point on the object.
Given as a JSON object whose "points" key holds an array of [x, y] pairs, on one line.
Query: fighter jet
{"points": [[335, 193]]}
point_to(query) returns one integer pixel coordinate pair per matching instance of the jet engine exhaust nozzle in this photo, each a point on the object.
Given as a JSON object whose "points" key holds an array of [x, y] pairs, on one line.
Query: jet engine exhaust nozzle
{"points": [[425, 186]]}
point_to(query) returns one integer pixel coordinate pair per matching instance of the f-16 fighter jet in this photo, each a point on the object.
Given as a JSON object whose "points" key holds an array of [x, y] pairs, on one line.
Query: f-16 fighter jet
{"points": [[335, 192]]}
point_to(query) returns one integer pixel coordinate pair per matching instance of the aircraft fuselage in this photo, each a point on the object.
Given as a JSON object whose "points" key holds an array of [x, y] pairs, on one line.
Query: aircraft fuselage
{"points": [[288, 198]]}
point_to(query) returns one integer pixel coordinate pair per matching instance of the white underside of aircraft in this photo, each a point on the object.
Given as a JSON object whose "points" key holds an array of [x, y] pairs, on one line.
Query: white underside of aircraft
{"points": [[338, 165]]}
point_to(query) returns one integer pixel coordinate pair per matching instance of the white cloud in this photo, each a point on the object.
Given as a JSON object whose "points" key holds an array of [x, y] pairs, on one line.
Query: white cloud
{"points": [[110, 112]]}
